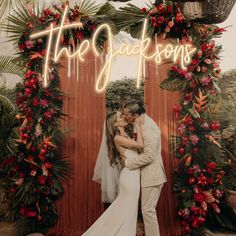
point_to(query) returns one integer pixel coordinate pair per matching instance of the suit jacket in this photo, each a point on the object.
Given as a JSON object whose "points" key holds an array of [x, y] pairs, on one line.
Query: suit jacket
{"points": [[150, 160]]}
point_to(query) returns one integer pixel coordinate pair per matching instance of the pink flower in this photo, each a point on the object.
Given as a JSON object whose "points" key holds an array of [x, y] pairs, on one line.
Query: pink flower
{"points": [[43, 103], [19, 181], [29, 44], [206, 80], [188, 98], [215, 208], [181, 128], [193, 139]]}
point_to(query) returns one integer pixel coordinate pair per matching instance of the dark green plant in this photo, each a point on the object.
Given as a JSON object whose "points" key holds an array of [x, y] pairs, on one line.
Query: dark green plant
{"points": [[120, 91]]}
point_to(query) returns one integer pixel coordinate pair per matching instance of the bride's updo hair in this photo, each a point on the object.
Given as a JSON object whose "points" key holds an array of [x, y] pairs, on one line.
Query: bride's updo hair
{"points": [[111, 132]]}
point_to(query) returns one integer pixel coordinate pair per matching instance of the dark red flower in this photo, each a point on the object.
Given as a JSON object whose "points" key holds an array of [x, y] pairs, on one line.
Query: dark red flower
{"points": [[160, 19], [169, 8], [143, 10], [41, 179], [211, 165], [31, 213], [191, 180], [47, 12], [199, 197]]}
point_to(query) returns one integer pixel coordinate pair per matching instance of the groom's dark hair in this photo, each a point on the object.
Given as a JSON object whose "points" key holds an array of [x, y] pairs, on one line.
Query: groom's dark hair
{"points": [[135, 107]]}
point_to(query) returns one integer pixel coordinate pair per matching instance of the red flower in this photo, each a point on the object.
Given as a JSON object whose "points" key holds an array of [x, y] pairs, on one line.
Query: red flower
{"points": [[220, 30], [199, 197], [202, 180], [211, 165], [191, 128], [143, 10], [47, 12], [191, 180], [22, 47], [215, 126], [31, 213], [35, 102], [169, 8], [160, 19], [80, 35], [23, 211], [179, 17], [41, 179], [48, 165], [176, 110], [188, 98]]}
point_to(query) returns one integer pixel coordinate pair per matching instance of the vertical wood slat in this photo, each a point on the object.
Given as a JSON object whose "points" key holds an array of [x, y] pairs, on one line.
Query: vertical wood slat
{"points": [[159, 104], [81, 204]]}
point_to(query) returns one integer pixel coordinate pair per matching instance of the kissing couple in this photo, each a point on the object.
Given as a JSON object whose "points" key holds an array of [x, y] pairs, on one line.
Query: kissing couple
{"points": [[142, 173]]}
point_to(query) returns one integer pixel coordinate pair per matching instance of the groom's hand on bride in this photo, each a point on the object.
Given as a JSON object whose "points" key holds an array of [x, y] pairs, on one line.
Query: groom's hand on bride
{"points": [[122, 160]]}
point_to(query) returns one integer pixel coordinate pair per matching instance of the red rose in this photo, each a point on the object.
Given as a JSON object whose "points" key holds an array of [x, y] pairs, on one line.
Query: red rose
{"points": [[41, 179], [199, 197]]}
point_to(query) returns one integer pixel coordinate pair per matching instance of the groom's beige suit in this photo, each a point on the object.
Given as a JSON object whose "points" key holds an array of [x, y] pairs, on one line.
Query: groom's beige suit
{"points": [[152, 174]]}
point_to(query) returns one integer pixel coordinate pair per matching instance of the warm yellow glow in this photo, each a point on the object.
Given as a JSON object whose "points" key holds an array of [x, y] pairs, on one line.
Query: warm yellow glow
{"points": [[180, 53]]}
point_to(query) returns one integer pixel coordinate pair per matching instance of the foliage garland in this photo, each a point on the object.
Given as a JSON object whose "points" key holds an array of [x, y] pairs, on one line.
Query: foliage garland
{"points": [[34, 175]]}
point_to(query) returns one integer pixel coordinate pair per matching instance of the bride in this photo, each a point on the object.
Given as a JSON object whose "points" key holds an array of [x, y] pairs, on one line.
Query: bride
{"points": [[120, 219]]}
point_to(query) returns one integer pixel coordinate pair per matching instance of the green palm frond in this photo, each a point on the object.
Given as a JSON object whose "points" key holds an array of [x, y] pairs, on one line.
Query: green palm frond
{"points": [[129, 15], [8, 128], [6, 6], [17, 23], [8, 65], [88, 8]]}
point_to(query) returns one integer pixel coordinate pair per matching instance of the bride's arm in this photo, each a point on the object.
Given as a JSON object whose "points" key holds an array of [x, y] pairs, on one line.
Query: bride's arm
{"points": [[129, 143]]}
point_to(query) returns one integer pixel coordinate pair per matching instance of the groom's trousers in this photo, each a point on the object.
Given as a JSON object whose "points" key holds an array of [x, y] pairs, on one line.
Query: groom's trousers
{"points": [[149, 199]]}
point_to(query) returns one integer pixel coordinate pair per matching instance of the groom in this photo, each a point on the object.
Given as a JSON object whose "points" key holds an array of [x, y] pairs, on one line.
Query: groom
{"points": [[150, 162]]}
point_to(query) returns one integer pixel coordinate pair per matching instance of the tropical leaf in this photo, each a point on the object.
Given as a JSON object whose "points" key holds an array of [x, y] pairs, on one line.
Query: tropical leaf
{"points": [[6, 6], [8, 65], [17, 23], [174, 84], [88, 8], [128, 17]]}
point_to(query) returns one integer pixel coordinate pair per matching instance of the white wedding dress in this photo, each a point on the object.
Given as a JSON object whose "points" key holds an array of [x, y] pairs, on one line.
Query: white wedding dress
{"points": [[120, 219]]}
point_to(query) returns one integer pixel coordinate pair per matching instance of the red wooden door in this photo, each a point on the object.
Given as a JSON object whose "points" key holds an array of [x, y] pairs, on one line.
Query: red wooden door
{"points": [[81, 204]]}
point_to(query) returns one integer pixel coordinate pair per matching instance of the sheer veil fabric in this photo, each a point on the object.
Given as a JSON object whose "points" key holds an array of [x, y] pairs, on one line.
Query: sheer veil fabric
{"points": [[105, 174]]}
